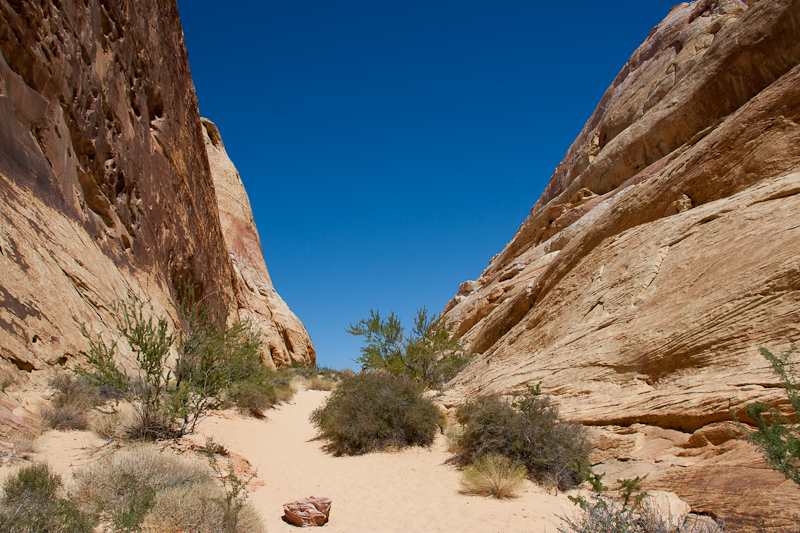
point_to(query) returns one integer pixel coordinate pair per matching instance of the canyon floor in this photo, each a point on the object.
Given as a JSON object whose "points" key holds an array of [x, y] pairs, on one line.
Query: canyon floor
{"points": [[413, 490]]}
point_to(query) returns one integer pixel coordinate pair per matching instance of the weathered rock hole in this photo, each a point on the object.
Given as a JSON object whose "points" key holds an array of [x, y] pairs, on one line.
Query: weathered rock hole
{"points": [[61, 361], [22, 365]]}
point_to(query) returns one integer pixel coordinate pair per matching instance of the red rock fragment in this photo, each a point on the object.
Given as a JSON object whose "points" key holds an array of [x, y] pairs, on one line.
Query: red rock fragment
{"points": [[307, 512]]}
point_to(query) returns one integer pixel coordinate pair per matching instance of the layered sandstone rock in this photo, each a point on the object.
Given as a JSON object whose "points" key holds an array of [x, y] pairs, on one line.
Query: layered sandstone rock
{"points": [[105, 183], [664, 251], [257, 299]]}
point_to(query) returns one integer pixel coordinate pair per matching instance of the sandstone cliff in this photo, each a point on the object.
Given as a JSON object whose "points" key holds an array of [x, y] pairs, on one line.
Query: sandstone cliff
{"points": [[256, 298], [661, 256], [106, 185]]}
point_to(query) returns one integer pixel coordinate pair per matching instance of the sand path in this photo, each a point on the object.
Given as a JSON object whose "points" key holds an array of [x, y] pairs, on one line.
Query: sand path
{"points": [[410, 491]]}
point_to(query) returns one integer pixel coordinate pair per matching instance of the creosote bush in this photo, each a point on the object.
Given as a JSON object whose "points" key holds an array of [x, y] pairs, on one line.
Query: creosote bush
{"points": [[429, 355], [375, 411], [527, 431], [495, 476], [217, 362]]}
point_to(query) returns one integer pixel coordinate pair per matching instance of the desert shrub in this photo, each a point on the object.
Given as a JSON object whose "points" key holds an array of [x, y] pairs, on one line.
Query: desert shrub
{"points": [[121, 488], [199, 509], [493, 475], [429, 355], [65, 417], [318, 383], [71, 402], [374, 411], [32, 502], [776, 436], [527, 431], [253, 398], [217, 360], [623, 513]]}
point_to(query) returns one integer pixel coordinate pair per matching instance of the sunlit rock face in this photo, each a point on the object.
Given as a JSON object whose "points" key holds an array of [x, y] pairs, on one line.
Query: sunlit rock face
{"points": [[105, 183], [257, 300], [663, 254]]}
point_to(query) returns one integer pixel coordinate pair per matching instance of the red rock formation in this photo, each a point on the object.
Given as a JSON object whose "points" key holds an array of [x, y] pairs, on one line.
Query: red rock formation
{"points": [[663, 254], [104, 178]]}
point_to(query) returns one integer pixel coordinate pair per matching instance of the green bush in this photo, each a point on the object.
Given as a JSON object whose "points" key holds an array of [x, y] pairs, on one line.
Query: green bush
{"points": [[429, 355], [217, 361], [777, 436], [32, 502], [375, 411], [527, 431], [623, 513]]}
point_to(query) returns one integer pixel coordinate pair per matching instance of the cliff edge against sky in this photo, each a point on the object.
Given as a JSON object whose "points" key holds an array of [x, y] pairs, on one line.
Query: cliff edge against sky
{"points": [[106, 186], [661, 256]]}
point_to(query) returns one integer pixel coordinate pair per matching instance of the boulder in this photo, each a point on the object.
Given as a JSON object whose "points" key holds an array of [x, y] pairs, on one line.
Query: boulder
{"points": [[308, 512]]}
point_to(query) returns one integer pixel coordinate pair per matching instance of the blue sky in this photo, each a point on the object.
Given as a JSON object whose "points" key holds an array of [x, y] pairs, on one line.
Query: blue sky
{"points": [[390, 149]]}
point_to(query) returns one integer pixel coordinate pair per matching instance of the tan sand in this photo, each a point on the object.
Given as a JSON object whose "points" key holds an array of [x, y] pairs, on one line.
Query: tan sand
{"points": [[411, 491]]}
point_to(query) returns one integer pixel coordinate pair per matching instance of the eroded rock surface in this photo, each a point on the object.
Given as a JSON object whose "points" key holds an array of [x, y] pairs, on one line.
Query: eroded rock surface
{"points": [[664, 253], [105, 185], [257, 299]]}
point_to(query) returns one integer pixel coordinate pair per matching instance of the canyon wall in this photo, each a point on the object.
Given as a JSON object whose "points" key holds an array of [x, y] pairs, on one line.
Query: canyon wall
{"points": [[664, 252], [106, 186]]}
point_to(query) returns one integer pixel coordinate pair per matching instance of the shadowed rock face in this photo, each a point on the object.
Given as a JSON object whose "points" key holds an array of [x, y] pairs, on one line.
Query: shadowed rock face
{"points": [[105, 185], [662, 255], [256, 298]]}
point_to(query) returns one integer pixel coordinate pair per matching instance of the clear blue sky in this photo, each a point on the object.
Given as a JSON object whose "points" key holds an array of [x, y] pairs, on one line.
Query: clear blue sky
{"points": [[390, 149]]}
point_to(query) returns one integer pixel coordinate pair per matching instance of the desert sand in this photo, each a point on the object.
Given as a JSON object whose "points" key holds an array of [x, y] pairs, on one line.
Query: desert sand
{"points": [[414, 490]]}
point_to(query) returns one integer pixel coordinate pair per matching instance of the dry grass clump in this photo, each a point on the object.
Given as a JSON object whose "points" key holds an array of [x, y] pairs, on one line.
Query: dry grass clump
{"points": [[121, 487], [199, 509], [73, 399], [495, 476], [24, 443], [320, 383]]}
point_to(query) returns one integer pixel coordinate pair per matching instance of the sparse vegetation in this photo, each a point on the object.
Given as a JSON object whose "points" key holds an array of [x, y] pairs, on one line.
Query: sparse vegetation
{"points": [[778, 437], [527, 431], [144, 488], [375, 411], [495, 476], [71, 402], [320, 383], [623, 513], [32, 502], [217, 362], [429, 355]]}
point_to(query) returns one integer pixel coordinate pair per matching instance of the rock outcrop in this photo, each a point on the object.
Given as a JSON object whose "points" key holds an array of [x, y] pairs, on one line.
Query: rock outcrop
{"points": [[256, 298], [105, 184], [661, 256]]}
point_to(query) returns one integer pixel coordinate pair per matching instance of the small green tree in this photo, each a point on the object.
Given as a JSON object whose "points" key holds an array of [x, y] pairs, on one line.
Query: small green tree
{"points": [[777, 436], [150, 342], [429, 355], [212, 359]]}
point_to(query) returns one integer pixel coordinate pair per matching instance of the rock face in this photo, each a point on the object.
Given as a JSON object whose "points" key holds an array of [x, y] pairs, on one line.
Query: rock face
{"points": [[105, 185], [662, 255], [257, 299]]}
